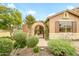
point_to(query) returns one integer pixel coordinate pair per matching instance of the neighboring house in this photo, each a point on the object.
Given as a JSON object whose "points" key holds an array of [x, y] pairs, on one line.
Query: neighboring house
{"points": [[64, 24]]}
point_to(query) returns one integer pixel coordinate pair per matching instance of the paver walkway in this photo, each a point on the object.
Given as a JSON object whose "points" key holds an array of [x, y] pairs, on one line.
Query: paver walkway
{"points": [[42, 42]]}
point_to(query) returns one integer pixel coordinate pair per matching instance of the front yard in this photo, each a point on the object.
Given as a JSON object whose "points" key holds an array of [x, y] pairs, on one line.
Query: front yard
{"points": [[43, 51], [23, 45]]}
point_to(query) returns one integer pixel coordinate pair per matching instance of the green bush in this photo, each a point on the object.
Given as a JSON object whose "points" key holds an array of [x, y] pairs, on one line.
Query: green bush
{"points": [[32, 41], [6, 37], [46, 32], [20, 39], [36, 49], [6, 46], [61, 47]]}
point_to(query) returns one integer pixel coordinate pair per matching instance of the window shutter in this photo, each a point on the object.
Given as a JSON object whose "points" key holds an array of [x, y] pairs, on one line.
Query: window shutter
{"points": [[56, 26], [74, 27]]}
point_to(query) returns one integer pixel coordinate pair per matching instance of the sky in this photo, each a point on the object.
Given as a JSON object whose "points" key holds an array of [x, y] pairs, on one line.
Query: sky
{"points": [[41, 10]]}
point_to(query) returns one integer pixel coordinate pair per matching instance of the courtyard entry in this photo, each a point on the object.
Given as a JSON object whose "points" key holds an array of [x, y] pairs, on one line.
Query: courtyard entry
{"points": [[38, 29]]}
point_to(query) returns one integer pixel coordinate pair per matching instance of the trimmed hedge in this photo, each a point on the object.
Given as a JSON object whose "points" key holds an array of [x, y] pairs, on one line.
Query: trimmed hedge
{"points": [[6, 46]]}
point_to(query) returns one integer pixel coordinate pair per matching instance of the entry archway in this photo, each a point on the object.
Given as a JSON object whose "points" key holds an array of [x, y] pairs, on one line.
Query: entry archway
{"points": [[38, 29]]}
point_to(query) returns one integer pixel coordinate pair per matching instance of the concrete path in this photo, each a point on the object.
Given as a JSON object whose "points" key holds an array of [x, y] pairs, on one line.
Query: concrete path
{"points": [[42, 42]]}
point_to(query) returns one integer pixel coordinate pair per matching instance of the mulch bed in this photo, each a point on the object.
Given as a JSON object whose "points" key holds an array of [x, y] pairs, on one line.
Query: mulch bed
{"points": [[28, 52]]}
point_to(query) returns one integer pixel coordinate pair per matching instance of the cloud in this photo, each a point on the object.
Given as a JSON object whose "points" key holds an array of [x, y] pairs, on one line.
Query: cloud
{"points": [[31, 12], [70, 7], [11, 5], [51, 14]]}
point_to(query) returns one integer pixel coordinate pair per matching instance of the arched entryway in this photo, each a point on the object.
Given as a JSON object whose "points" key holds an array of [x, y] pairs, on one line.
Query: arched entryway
{"points": [[38, 29]]}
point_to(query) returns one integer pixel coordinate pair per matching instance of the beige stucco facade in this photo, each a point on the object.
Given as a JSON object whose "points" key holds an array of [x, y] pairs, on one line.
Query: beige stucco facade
{"points": [[59, 17]]}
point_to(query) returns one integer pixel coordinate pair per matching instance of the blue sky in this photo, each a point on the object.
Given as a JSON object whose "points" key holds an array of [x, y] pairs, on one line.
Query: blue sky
{"points": [[41, 10]]}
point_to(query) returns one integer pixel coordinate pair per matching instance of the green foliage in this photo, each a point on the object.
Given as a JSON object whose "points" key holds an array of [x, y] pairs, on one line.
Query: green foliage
{"points": [[39, 30], [3, 8], [20, 39], [61, 47], [8, 17], [6, 46], [30, 20], [46, 32], [32, 41], [6, 37], [36, 49]]}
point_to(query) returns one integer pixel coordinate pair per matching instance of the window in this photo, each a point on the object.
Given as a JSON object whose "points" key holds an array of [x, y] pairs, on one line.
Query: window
{"points": [[65, 26]]}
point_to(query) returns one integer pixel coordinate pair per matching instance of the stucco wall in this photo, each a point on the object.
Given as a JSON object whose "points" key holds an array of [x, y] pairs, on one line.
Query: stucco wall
{"points": [[4, 33], [52, 21]]}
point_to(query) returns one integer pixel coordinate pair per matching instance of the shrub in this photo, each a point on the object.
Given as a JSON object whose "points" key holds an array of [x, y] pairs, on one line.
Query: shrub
{"points": [[61, 47], [6, 37], [20, 39], [36, 49], [32, 41], [46, 32], [6, 46]]}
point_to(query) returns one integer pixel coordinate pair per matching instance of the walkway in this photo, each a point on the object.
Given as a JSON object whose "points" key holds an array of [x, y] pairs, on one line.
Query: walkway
{"points": [[42, 42]]}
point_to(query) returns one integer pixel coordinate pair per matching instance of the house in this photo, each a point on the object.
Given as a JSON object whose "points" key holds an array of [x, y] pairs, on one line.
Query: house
{"points": [[64, 24]]}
